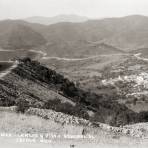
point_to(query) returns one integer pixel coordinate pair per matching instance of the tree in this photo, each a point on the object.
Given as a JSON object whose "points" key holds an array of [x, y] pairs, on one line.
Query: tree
{"points": [[22, 105]]}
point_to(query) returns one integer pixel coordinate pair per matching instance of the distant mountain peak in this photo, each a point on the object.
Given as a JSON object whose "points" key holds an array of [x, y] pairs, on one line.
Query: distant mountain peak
{"points": [[56, 19]]}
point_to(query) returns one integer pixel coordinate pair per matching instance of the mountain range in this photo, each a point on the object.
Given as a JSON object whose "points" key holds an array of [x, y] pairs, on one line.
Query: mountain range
{"points": [[56, 19], [67, 38], [76, 88]]}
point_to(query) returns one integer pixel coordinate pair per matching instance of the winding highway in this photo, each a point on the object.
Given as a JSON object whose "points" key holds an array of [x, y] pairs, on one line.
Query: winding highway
{"points": [[45, 57]]}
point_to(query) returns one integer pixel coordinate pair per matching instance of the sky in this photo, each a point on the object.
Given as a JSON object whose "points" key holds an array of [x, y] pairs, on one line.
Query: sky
{"points": [[15, 9]]}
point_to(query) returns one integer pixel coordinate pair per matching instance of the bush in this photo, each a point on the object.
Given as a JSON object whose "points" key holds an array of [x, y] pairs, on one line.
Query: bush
{"points": [[52, 104], [22, 105]]}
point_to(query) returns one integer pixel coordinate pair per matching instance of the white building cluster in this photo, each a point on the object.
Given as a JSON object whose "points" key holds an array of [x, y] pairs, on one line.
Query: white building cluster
{"points": [[140, 82]]}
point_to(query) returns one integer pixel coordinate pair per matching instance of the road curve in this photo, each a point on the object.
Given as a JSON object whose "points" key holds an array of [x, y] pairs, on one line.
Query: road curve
{"points": [[45, 57], [7, 71], [140, 58]]}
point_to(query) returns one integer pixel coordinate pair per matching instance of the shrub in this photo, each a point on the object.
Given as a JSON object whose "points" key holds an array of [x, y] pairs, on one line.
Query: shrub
{"points": [[22, 105], [52, 104]]}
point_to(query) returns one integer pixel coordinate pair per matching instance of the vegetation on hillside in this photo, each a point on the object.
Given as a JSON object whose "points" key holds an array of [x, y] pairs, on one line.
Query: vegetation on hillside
{"points": [[104, 108]]}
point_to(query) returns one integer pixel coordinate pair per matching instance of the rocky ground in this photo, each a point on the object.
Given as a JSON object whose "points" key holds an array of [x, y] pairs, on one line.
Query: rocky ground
{"points": [[135, 130], [102, 135], [139, 130]]}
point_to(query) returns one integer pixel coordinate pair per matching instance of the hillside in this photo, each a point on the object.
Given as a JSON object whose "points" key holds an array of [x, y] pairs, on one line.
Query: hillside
{"points": [[77, 39], [37, 86], [20, 124], [126, 33], [142, 51], [18, 35], [76, 49]]}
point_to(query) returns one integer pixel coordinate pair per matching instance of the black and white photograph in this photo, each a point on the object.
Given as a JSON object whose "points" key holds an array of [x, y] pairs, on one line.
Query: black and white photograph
{"points": [[73, 73]]}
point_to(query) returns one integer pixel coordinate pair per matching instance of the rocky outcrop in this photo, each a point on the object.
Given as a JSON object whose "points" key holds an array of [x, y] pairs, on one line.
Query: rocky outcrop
{"points": [[57, 116]]}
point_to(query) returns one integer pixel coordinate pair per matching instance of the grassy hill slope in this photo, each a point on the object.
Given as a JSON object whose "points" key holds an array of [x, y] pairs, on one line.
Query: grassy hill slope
{"points": [[18, 35], [37, 86]]}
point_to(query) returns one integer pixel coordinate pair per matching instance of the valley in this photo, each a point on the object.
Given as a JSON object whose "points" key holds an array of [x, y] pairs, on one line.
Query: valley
{"points": [[87, 77], [99, 74]]}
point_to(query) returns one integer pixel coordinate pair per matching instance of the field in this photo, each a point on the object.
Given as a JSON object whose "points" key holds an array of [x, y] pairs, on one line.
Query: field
{"points": [[16, 124]]}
